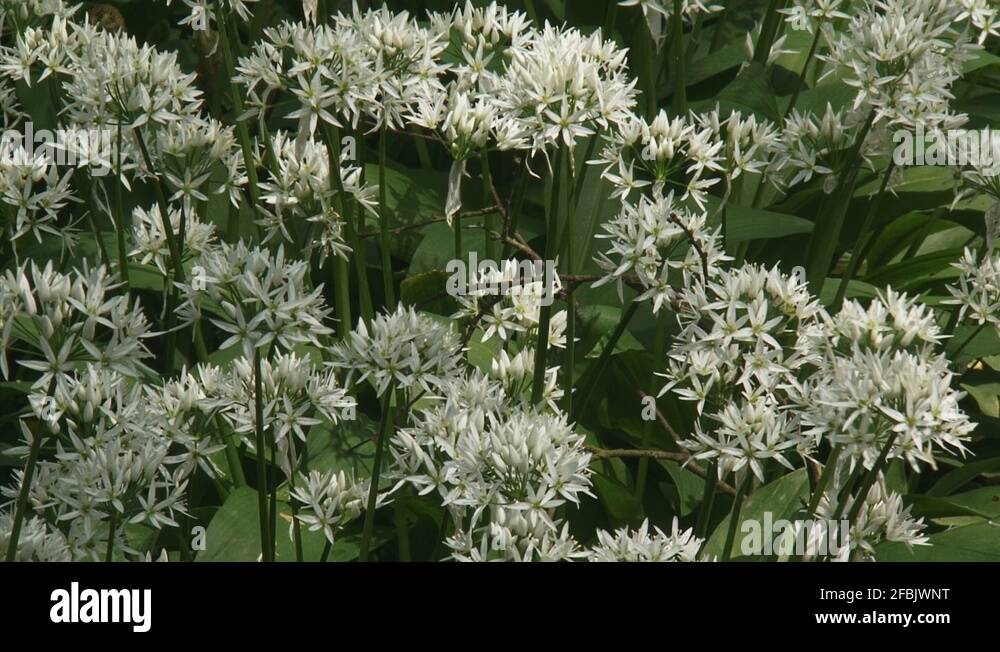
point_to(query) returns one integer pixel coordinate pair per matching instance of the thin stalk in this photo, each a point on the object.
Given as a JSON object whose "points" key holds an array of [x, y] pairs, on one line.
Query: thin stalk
{"points": [[599, 365], [457, 227], [516, 206], [659, 344], [805, 68], [824, 479], [489, 220], [768, 31], [342, 270], [708, 497], [423, 154], [385, 430], [863, 236], [385, 239], [21, 506], [678, 61], [734, 515], [112, 527], [830, 220], [235, 466], [119, 215], [551, 246], [869, 480], [242, 132], [263, 512]]}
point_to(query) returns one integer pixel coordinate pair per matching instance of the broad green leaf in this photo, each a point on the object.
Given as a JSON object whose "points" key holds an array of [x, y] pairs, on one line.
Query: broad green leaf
{"points": [[780, 498], [976, 542]]}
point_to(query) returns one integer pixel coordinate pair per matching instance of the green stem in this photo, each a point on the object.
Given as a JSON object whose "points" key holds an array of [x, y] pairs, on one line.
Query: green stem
{"points": [[242, 132], [583, 398], [830, 221], [489, 220], [734, 515], [263, 513], [385, 431], [768, 31], [869, 480], [385, 239], [21, 505], [112, 527], [678, 62], [551, 246], [805, 67], [235, 466], [659, 344], [119, 215], [708, 497], [863, 236], [824, 480]]}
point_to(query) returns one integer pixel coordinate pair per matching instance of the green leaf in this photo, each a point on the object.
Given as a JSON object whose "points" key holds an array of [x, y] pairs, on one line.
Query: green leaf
{"points": [[743, 223], [234, 535], [620, 504], [964, 474], [976, 542], [987, 396], [780, 498]]}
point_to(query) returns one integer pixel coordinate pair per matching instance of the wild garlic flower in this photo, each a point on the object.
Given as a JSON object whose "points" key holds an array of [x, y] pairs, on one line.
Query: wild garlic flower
{"points": [[61, 320], [879, 381], [641, 545], [33, 195], [733, 357], [203, 12], [977, 292], [518, 537], [483, 35], [113, 80], [300, 195], [982, 15], [112, 468], [259, 298], [501, 469], [750, 144], [738, 332], [808, 15], [561, 85], [817, 146], [24, 12], [329, 501], [882, 517], [673, 156], [45, 48], [404, 350], [510, 297], [38, 540], [903, 57], [297, 395], [661, 243], [747, 433], [199, 158], [151, 240], [406, 55]]}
